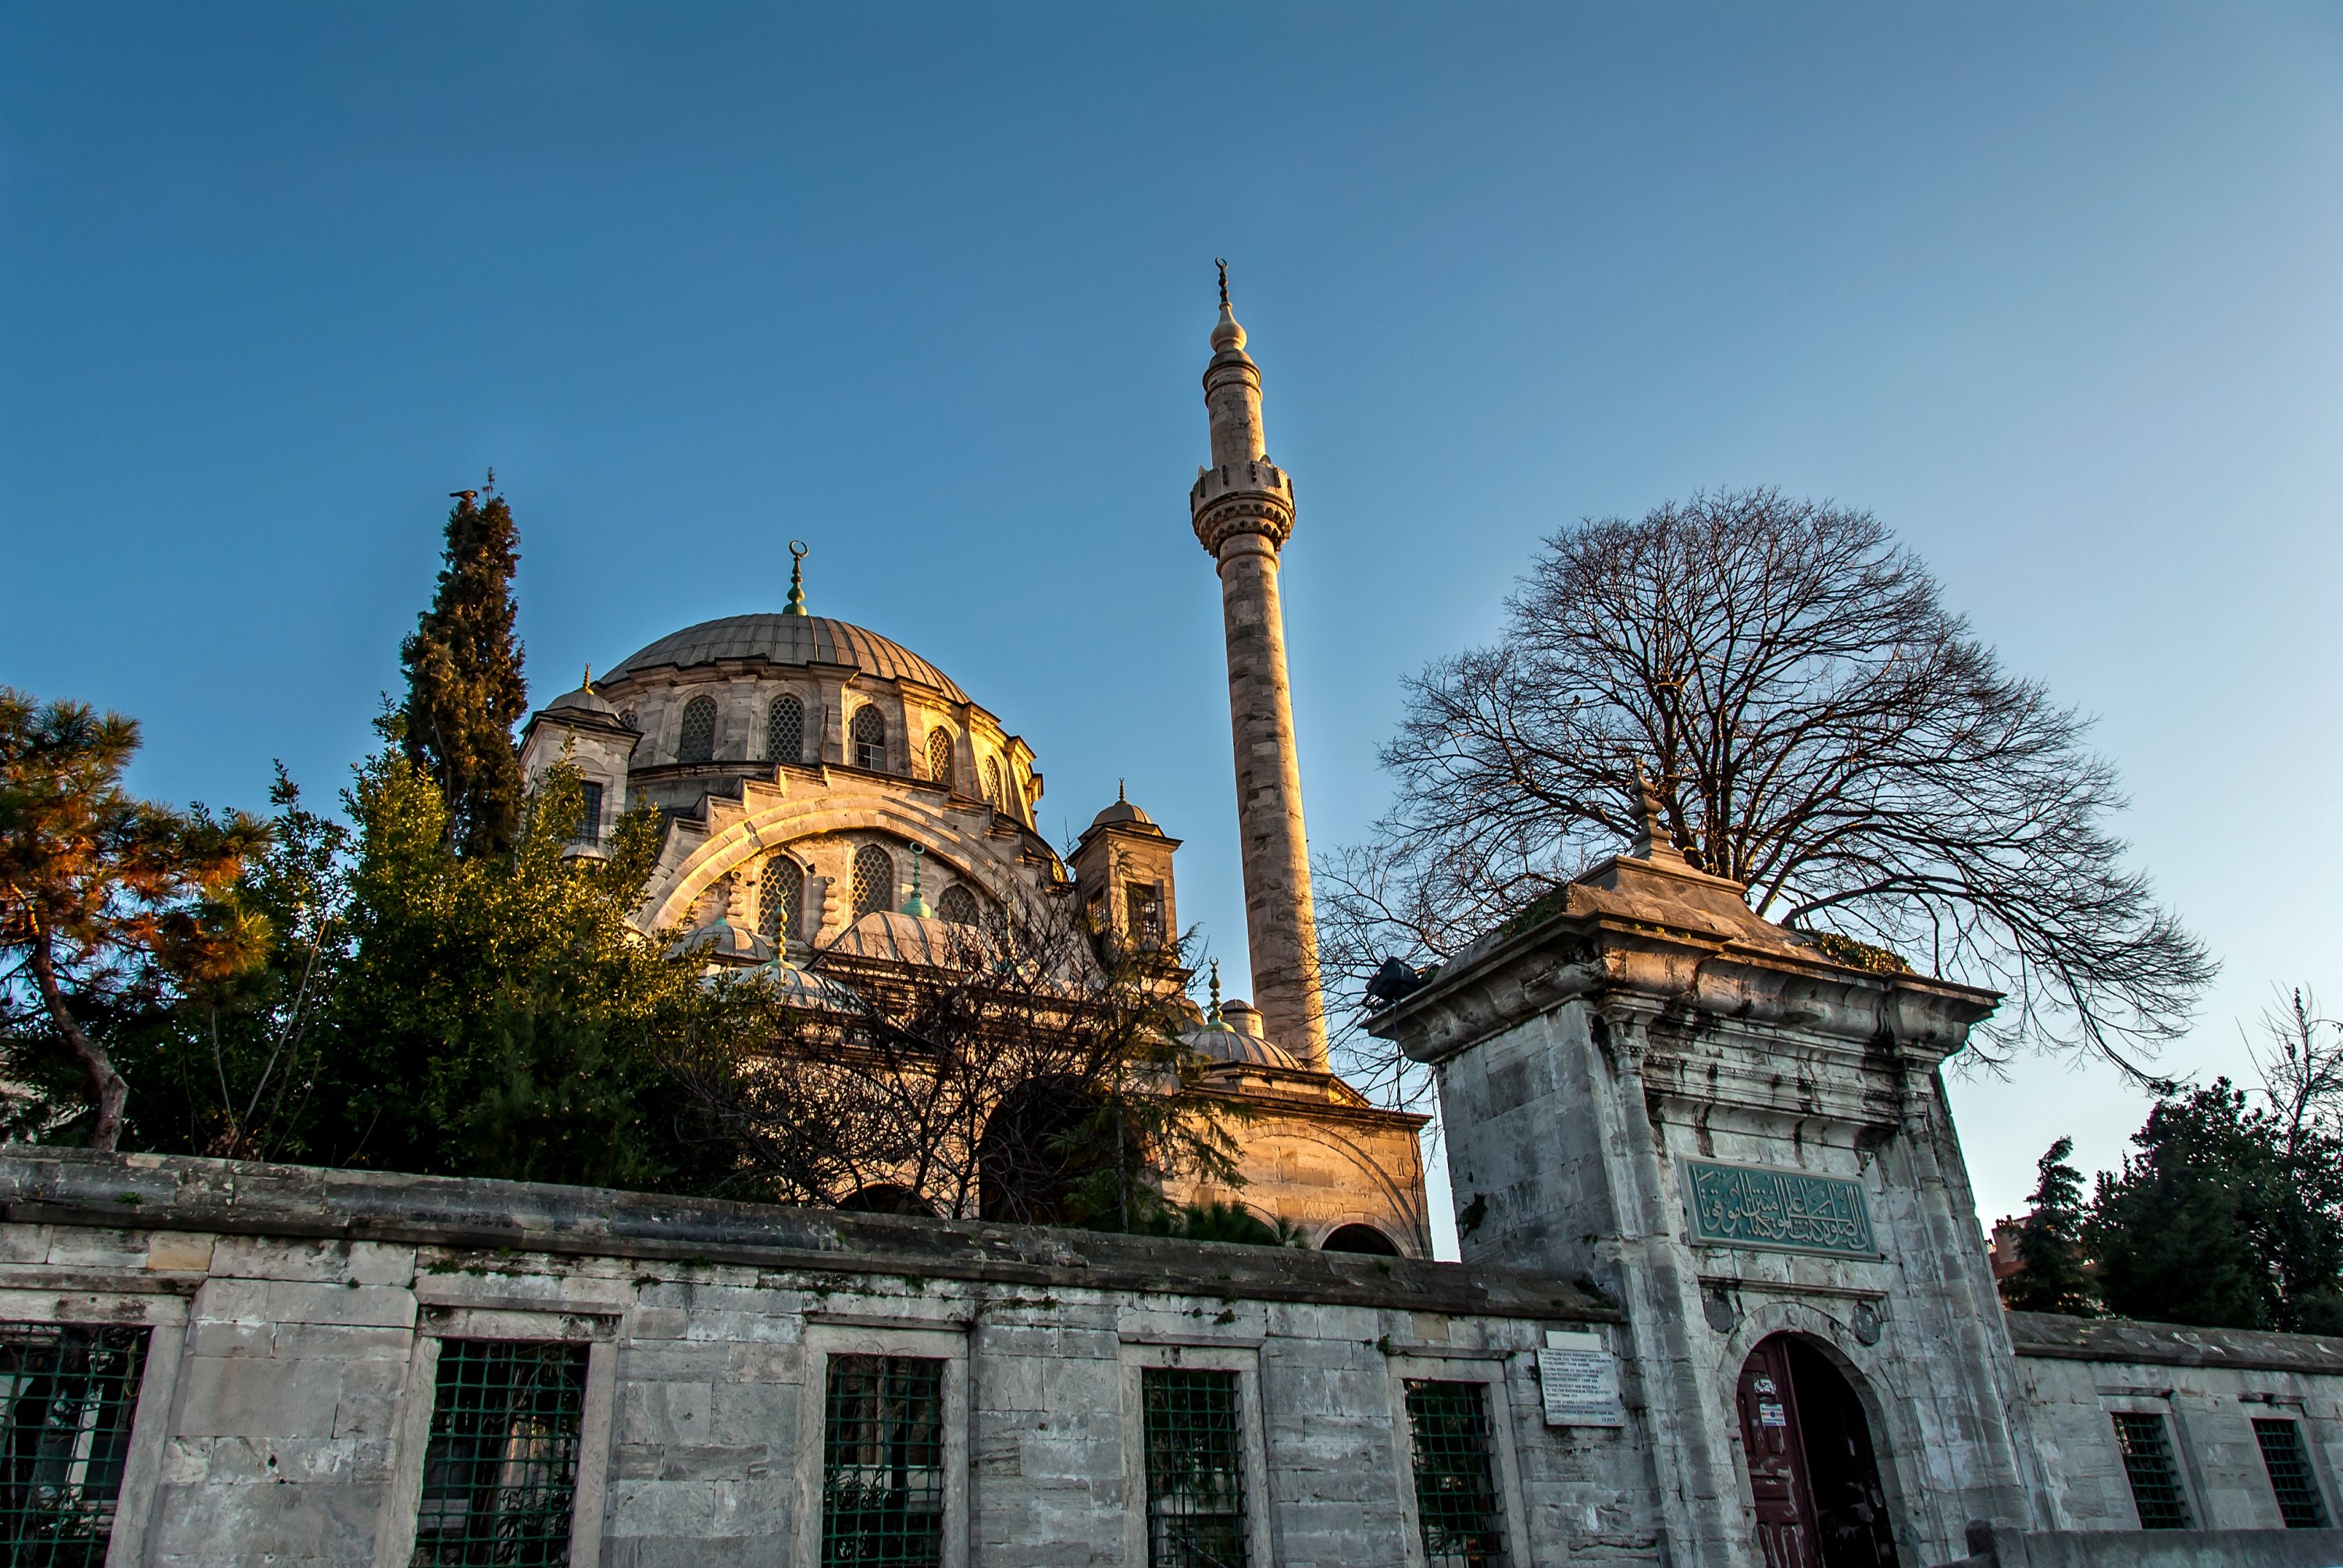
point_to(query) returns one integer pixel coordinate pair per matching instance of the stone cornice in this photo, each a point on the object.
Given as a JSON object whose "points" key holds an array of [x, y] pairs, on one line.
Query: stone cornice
{"points": [[1660, 940]]}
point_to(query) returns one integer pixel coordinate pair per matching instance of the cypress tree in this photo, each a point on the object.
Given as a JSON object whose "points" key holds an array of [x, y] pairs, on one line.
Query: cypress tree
{"points": [[2050, 1242], [464, 687]]}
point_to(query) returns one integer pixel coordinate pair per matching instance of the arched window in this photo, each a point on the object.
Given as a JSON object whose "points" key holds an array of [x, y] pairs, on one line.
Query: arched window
{"points": [[1360, 1239], [785, 731], [939, 756], [992, 784], [780, 901], [870, 739], [958, 905], [699, 741], [874, 878]]}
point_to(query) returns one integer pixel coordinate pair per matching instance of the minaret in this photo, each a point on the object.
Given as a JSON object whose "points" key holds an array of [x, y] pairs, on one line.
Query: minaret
{"points": [[1242, 507]]}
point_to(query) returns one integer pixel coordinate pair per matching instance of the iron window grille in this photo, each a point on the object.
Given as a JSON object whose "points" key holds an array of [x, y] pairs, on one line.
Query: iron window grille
{"points": [[882, 1463], [589, 814], [992, 790], [501, 1468], [1142, 914], [870, 739], [785, 731], [2155, 1479], [697, 742], [1196, 1469], [939, 756], [2283, 1456], [1455, 1477], [64, 1436], [958, 905], [780, 899], [874, 881]]}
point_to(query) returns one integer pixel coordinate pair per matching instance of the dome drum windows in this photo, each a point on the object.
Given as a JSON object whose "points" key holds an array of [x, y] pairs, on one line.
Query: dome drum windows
{"points": [[780, 901], [956, 905], [869, 738], [992, 791], [697, 741], [785, 731], [939, 756]]}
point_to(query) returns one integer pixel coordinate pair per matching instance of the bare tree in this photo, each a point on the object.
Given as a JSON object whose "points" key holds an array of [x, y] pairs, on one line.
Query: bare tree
{"points": [[1818, 727], [1023, 1069], [2301, 1066]]}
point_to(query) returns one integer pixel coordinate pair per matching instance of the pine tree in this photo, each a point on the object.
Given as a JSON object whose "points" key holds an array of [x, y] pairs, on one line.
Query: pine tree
{"points": [[464, 687], [2050, 1277]]}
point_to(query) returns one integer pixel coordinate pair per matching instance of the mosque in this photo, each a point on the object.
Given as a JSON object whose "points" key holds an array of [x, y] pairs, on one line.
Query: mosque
{"points": [[834, 801], [1723, 1299]]}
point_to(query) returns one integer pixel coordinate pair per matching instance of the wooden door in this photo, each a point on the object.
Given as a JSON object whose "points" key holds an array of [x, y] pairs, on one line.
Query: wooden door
{"points": [[1778, 1469]]}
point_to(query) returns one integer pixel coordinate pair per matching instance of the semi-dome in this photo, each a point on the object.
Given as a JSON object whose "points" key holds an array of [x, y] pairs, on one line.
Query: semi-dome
{"points": [[785, 639]]}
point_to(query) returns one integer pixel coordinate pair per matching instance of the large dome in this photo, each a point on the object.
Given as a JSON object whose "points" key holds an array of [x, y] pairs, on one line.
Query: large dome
{"points": [[790, 639]]}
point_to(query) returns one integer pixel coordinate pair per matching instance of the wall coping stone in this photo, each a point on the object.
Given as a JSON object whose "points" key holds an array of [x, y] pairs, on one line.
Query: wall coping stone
{"points": [[175, 1192], [2052, 1337]]}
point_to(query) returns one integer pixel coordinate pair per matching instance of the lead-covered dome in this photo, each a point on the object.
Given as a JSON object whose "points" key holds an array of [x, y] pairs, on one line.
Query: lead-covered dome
{"points": [[785, 639]]}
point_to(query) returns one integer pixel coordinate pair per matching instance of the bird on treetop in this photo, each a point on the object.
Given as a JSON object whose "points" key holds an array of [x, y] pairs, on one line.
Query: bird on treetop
{"points": [[466, 496]]}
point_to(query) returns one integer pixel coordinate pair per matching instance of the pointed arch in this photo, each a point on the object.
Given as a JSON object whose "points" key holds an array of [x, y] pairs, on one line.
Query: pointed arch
{"points": [[992, 790], [780, 901], [939, 756]]}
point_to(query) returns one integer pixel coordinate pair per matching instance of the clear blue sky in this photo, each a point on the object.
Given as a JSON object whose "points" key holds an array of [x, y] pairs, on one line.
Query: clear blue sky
{"points": [[2051, 289]]}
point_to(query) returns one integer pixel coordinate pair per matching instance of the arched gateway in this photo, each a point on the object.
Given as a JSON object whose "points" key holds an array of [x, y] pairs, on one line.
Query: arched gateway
{"points": [[1814, 1475]]}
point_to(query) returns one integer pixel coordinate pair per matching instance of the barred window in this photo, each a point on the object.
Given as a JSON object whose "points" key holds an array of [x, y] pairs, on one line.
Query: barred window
{"points": [[697, 743], [589, 814], [781, 900], [874, 881], [67, 1395], [1456, 1480], [870, 739], [939, 756], [1142, 914], [882, 1462], [2146, 1449], [992, 784], [956, 905], [501, 1468], [785, 731], [1196, 1469], [2288, 1463]]}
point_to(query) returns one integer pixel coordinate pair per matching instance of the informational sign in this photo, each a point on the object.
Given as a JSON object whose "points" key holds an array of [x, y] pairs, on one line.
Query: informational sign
{"points": [[1578, 1380], [1781, 1210]]}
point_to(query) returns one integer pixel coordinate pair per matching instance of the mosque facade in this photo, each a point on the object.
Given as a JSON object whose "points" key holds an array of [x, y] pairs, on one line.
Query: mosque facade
{"points": [[1723, 1299]]}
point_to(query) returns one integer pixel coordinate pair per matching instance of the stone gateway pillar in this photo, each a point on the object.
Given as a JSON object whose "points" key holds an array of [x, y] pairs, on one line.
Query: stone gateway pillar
{"points": [[1242, 509]]}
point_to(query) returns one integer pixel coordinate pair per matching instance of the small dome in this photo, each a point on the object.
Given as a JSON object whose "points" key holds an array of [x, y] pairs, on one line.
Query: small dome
{"points": [[786, 639], [722, 942], [1237, 1049], [1122, 811], [813, 993], [585, 699], [897, 938]]}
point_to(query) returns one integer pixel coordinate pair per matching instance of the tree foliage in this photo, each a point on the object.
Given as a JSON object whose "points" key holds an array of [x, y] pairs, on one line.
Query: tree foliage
{"points": [[2052, 1277], [464, 687], [103, 896], [1817, 726], [1032, 1072]]}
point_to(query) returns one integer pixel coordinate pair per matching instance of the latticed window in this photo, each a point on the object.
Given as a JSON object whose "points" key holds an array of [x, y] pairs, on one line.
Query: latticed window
{"points": [[1142, 914], [874, 881], [2283, 1456], [67, 1395], [589, 814], [882, 1462], [992, 784], [956, 905], [939, 756], [781, 900], [785, 731], [2146, 1449], [870, 739], [501, 1468], [1455, 1477], [697, 743], [1196, 1469]]}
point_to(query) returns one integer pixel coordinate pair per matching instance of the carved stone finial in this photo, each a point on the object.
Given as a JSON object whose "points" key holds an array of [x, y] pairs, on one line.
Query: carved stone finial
{"points": [[1652, 842]]}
